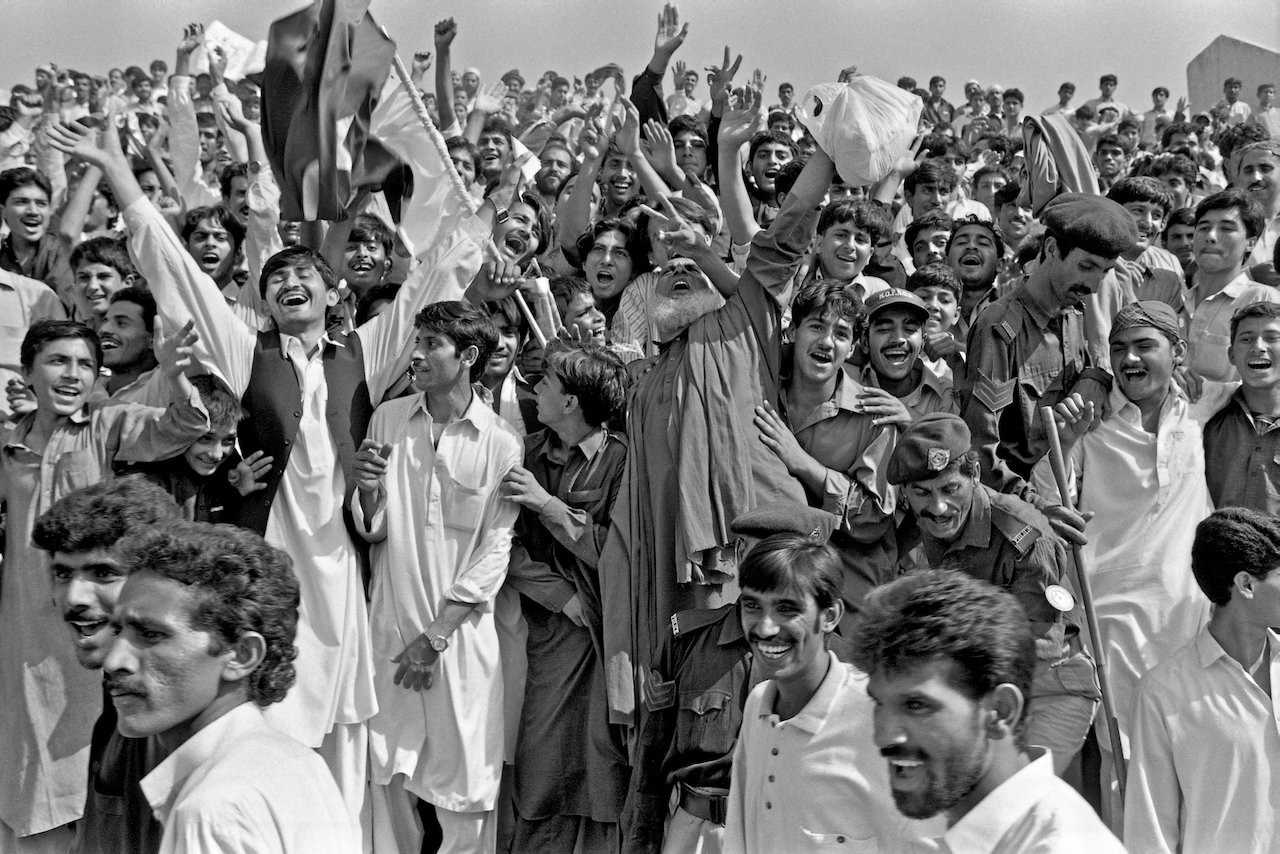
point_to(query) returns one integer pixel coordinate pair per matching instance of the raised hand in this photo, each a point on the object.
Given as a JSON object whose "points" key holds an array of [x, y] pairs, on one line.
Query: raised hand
{"points": [[670, 33], [192, 38], [628, 136], [742, 119], [660, 148], [489, 98], [847, 74], [232, 112], [757, 80], [421, 64], [217, 63], [720, 77], [674, 231], [1075, 417], [173, 352], [678, 74], [75, 139], [249, 475], [592, 140], [445, 33]]}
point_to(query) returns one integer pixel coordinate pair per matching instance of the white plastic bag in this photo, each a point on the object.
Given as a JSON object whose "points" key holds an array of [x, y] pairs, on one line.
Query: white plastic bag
{"points": [[865, 125]]}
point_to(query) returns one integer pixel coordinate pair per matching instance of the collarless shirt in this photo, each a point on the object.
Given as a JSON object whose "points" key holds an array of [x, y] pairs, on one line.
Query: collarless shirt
{"points": [[1032, 811], [1206, 746]]}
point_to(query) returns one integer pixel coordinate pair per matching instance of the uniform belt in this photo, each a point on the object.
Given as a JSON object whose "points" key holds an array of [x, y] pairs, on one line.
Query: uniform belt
{"points": [[707, 804]]}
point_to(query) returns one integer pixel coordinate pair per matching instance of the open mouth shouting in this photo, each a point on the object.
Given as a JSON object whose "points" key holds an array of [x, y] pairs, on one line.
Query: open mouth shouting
{"points": [[87, 626], [293, 297], [517, 242], [68, 392]]}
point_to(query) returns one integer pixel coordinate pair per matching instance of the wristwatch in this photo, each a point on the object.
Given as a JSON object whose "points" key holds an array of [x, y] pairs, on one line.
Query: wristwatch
{"points": [[438, 642], [500, 214]]}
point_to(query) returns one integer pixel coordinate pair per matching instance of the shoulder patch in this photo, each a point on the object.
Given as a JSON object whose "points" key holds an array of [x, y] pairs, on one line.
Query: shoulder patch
{"points": [[994, 395], [1006, 331], [675, 625], [1020, 533], [657, 693]]}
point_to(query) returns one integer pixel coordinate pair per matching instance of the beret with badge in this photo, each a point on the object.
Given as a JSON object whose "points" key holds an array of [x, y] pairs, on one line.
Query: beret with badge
{"points": [[927, 447], [1097, 225], [785, 518]]}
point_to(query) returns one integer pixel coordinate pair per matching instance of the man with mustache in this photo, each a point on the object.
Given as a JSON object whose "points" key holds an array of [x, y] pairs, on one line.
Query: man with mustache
{"points": [[950, 662], [1003, 540], [80, 533], [1028, 349]]}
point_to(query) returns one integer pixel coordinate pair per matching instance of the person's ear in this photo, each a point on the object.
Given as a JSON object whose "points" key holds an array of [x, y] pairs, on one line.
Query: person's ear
{"points": [[1242, 584], [1002, 710], [331, 295], [831, 616], [1180, 352], [243, 657], [469, 355]]}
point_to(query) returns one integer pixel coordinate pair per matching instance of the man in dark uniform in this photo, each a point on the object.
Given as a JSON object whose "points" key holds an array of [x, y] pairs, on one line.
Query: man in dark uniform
{"points": [[693, 700], [1001, 539], [1028, 349]]}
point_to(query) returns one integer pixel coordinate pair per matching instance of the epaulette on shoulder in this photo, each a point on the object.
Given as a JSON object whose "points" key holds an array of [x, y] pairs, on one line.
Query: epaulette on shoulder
{"points": [[686, 622], [1020, 531]]}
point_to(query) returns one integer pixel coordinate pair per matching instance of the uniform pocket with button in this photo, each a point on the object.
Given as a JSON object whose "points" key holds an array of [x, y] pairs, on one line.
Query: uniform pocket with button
{"points": [[706, 722]]}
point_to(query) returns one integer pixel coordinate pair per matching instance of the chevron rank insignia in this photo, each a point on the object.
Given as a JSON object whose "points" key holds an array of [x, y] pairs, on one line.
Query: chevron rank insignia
{"points": [[658, 694], [995, 396]]}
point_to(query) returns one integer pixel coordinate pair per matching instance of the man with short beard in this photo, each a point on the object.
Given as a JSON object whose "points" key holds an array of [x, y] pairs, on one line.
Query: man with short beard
{"points": [[558, 164], [695, 460], [962, 651], [1259, 175]]}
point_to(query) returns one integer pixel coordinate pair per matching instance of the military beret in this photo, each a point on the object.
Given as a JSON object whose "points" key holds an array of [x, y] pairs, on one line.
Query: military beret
{"points": [[928, 446], [785, 518], [890, 297], [1095, 224]]}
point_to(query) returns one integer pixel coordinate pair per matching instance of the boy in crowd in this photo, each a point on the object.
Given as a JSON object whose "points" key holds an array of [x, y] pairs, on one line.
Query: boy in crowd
{"points": [[926, 238], [1205, 754], [1147, 272], [1179, 240], [939, 288], [100, 266], [900, 385]]}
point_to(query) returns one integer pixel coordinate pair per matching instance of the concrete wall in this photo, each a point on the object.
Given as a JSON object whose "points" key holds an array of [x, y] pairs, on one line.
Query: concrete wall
{"points": [[1230, 57]]}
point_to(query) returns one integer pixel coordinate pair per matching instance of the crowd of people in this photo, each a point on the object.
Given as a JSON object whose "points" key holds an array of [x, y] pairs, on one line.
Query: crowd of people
{"points": [[631, 481]]}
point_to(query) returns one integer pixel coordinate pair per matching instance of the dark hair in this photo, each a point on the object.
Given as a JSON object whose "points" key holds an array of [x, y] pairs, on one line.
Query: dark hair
{"points": [[1107, 78], [219, 214], [541, 227], [790, 561], [219, 401], [497, 124], [940, 145], [867, 215], [930, 172], [693, 212], [594, 374], [97, 516], [984, 171], [377, 293], [505, 312], [1230, 541], [1243, 137], [1108, 140], [939, 220], [1128, 123], [239, 584], [935, 275], [769, 136], [780, 116], [142, 298], [828, 300], [1182, 216], [1173, 164], [635, 239], [230, 173], [1149, 190], [688, 124], [458, 143], [466, 325], [291, 256], [1015, 94], [998, 143], [944, 615], [1007, 195], [107, 251], [787, 176], [907, 83], [1251, 214], [565, 288], [1160, 90], [937, 78], [974, 219], [44, 332], [1250, 311], [370, 227], [19, 177], [1177, 127]]}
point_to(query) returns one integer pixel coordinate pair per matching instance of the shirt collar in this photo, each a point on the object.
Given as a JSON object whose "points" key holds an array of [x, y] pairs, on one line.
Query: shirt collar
{"points": [[731, 630], [167, 779], [286, 341], [551, 448], [977, 528], [815, 712], [475, 409], [1209, 650], [993, 816], [1039, 312]]}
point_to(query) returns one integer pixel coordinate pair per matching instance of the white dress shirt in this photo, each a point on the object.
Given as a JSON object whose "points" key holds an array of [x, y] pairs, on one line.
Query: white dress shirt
{"points": [[1208, 333], [238, 785], [1206, 749]]}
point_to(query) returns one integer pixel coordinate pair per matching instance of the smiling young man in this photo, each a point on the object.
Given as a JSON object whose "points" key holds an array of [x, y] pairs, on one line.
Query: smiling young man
{"points": [[32, 248], [43, 693], [1259, 175], [203, 643], [806, 775], [1140, 475], [974, 252], [79, 533], [1028, 348], [950, 660], [429, 500], [1003, 540], [899, 383], [1205, 754], [1147, 271]]}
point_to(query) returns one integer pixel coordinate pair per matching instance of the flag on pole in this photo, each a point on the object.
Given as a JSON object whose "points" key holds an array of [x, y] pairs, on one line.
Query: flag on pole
{"points": [[325, 69]]}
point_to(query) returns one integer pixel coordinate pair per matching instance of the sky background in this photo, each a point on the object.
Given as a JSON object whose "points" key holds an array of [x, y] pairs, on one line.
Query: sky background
{"points": [[1032, 44]]}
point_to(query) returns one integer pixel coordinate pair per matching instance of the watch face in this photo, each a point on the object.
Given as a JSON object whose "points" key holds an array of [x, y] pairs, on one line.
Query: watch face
{"points": [[439, 644]]}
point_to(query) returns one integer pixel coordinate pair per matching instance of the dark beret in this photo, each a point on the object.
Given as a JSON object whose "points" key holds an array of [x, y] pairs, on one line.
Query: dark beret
{"points": [[785, 518], [1097, 225], [928, 446]]}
